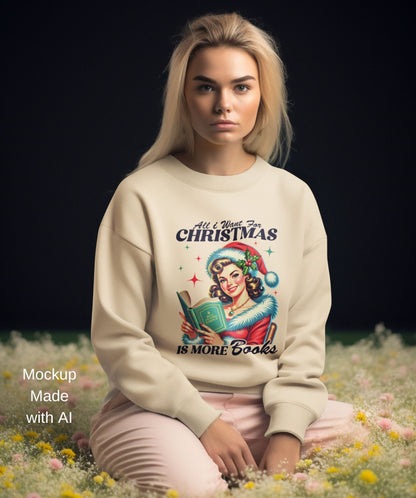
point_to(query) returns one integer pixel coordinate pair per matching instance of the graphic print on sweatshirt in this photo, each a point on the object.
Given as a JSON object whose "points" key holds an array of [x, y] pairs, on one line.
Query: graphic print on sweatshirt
{"points": [[239, 302]]}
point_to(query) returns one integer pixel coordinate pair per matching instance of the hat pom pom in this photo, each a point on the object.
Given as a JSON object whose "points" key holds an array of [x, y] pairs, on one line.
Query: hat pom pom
{"points": [[271, 279]]}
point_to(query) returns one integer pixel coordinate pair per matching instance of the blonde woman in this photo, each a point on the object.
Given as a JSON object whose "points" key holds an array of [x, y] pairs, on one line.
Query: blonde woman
{"points": [[189, 416]]}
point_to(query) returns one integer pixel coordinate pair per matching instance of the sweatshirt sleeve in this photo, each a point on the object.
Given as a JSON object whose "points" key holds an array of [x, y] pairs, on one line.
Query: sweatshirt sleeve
{"points": [[123, 284], [297, 397]]}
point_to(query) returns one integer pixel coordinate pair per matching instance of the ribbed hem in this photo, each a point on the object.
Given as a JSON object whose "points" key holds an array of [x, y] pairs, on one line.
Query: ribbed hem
{"points": [[197, 414], [291, 418]]}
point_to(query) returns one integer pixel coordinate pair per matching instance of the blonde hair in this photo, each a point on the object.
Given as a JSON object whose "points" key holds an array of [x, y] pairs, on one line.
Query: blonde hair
{"points": [[272, 133]]}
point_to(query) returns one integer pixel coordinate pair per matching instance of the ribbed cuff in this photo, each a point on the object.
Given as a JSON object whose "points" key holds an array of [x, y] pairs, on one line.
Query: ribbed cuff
{"points": [[291, 418], [197, 414]]}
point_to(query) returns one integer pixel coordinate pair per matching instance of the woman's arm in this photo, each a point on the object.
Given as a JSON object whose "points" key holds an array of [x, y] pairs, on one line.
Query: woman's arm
{"points": [[123, 286], [297, 397]]}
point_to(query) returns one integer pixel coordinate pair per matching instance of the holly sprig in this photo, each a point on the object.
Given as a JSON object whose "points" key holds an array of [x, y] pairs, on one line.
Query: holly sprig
{"points": [[249, 263]]}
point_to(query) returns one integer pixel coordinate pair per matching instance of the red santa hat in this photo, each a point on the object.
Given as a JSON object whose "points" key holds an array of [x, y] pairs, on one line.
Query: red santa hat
{"points": [[247, 258]]}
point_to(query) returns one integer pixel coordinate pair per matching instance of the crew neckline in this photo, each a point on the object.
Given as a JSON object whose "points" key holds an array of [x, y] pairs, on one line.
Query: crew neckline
{"points": [[205, 181]]}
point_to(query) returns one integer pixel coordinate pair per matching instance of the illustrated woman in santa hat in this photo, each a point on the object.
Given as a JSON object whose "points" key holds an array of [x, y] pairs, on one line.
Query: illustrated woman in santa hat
{"points": [[248, 311]]}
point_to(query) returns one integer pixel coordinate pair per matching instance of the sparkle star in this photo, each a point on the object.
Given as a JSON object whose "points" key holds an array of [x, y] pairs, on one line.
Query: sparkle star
{"points": [[198, 258], [194, 279], [269, 251]]}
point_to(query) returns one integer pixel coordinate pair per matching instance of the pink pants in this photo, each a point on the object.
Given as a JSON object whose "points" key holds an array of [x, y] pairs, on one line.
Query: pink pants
{"points": [[159, 452]]}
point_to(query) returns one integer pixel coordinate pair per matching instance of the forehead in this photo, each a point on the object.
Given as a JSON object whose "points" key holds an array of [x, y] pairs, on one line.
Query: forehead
{"points": [[222, 62]]}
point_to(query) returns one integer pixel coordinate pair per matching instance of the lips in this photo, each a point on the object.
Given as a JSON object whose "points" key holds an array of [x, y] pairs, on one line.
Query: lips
{"points": [[223, 122]]}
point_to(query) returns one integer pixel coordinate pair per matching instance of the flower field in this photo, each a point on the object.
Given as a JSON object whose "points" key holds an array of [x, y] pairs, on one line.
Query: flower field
{"points": [[48, 393]]}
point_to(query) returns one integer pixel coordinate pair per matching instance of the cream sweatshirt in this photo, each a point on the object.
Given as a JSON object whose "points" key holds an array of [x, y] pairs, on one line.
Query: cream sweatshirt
{"points": [[254, 242]]}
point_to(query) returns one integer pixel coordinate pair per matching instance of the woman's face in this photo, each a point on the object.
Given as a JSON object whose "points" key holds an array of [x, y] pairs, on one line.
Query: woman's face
{"points": [[232, 280], [222, 93]]}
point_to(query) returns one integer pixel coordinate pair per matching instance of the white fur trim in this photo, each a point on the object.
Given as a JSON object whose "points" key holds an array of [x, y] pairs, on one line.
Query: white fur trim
{"points": [[265, 306]]}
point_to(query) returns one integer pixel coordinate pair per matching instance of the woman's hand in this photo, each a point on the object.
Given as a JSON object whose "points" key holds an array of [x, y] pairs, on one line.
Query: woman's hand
{"points": [[227, 448], [282, 454], [187, 328], [210, 337]]}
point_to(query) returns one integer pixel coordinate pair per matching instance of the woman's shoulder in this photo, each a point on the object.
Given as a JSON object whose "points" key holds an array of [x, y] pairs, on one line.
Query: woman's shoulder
{"points": [[284, 176], [143, 177], [289, 187]]}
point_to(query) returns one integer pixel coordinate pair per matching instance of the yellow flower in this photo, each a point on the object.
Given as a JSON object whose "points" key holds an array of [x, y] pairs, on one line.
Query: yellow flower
{"points": [[303, 464], [2, 470], [110, 482], [347, 450], [95, 360], [317, 449], [61, 437], [172, 493], [68, 491], [278, 477], [70, 494], [98, 479], [70, 461], [104, 474], [8, 484], [32, 434], [368, 476], [327, 485], [358, 445], [70, 364], [361, 416], [17, 437], [45, 447], [394, 435], [332, 470], [68, 453], [7, 375], [249, 485]]}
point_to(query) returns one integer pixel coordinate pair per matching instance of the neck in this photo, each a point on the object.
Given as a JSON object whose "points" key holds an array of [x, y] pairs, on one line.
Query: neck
{"points": [[217, 160], [240, 300]]}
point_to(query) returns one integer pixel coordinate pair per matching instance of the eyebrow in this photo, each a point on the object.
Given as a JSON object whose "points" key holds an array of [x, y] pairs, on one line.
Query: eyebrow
{"points": [[236, 80]]}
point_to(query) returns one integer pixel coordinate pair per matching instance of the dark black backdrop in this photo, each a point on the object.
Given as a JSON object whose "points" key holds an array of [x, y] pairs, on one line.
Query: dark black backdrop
{"points": [[81, 101]]}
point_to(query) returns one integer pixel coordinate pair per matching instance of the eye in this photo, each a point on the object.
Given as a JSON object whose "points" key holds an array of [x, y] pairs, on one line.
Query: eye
{"points": [[242, 88], [205, 88]]}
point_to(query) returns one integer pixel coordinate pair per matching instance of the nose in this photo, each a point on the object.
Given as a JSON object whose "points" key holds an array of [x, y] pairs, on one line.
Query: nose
{"points": [[223, 104]]}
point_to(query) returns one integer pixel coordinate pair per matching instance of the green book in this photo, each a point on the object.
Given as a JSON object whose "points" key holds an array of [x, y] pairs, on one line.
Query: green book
{"points": [[208, 311]]}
